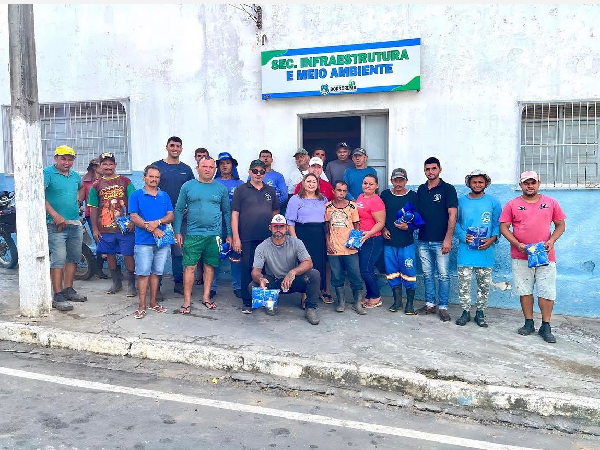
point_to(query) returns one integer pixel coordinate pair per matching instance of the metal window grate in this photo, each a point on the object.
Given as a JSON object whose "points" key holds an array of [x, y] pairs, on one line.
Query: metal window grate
{"points": [[559, 140], [90, 127]]}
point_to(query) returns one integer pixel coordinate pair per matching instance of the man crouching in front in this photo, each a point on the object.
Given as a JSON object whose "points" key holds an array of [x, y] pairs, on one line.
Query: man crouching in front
{"points": [[282, 262]]}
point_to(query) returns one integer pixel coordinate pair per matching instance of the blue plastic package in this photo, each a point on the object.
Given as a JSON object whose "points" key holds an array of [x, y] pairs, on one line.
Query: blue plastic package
{"points": [[536, 255], [409, 215], [478, 233], [354, 239], [123, 223], [264, 297], [224, 250], [168, 238]]}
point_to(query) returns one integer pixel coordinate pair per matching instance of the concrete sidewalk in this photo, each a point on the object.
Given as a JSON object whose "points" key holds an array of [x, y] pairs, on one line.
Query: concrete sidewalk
{"points": [[417, 356]]}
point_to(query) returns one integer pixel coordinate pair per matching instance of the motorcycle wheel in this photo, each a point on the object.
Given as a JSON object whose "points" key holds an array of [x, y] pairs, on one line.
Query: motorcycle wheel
{"points": [[8, 252], [85, 267]]}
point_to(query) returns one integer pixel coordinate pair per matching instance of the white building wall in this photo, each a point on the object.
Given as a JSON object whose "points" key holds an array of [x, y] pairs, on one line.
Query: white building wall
{"points": [[194, 71]]}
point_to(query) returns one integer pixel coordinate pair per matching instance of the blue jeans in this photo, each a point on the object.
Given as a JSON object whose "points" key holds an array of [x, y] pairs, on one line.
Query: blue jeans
{"points": [[367, 258], [350, 264], [236, 275], [432, 259]]}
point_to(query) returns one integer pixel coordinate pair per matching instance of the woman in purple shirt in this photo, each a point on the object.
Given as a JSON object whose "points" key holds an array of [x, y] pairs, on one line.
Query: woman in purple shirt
{"points": [[305, 216]]}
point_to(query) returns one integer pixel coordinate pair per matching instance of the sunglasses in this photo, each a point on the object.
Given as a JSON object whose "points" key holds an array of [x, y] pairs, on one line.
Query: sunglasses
{"points": [[258, 172]]}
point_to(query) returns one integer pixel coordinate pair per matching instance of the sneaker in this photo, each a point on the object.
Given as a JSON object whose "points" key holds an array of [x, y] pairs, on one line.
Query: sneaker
{"points": [[178, 288], [444, 316], [311, 316], [526, 329], [60, 302], [546, 333], [423, 310], [237, 293], [246, 309], [464, 318], [71, 295]]}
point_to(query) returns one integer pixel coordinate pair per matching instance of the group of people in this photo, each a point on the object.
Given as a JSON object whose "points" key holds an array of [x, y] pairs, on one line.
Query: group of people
{"points": [[291, 233]]}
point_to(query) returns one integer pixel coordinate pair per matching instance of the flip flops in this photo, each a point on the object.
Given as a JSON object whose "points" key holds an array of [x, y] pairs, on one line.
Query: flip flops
{"points": [[185, 309], [159, 308], [210, 305], [139, 314]]}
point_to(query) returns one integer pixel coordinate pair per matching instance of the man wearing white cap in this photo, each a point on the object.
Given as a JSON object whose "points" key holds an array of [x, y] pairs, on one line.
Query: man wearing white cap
{"points": [[282, 262], [315, 166], [64, 189], [531, 215], [477, 229]]}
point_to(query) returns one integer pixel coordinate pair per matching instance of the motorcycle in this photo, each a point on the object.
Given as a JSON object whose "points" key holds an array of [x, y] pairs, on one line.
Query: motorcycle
{"points": [[8, 248]]}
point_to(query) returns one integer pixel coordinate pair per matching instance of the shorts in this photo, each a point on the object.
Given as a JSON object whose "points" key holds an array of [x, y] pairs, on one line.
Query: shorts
{"points": [[149, 259], [205, 247], [544, 278], [65, 246], [113, 243]]}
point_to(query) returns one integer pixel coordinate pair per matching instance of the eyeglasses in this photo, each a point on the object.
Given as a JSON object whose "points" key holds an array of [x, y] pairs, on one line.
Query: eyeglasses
{"points": [[107, 155], [258, 172]]}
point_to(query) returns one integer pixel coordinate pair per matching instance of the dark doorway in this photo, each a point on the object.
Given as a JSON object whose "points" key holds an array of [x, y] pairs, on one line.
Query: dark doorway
{"points": [[327, 132]]}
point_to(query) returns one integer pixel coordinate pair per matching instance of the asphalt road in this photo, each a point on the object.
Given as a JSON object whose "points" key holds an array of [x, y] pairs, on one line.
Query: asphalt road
{"points": [[55, 399]]}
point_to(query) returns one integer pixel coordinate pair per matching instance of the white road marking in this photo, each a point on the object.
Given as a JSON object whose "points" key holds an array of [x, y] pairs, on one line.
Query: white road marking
{"points": [[239, 407]]}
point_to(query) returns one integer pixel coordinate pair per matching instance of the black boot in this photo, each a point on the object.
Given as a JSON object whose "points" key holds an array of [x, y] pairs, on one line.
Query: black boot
{"points": [[546, 333], [464, 318], [397, 292], [480, 319], [357, 305], [409, 309], [117, 282], [131, 290], [98, 268], [340, 295], [527, 329]]}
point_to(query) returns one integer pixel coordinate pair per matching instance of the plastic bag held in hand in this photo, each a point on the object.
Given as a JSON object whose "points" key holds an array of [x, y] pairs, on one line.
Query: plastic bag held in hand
{"points": [[536, 255], [264, 297], [123, 223], [168, 238], [354, 239], [409, 215], [478, 233]]}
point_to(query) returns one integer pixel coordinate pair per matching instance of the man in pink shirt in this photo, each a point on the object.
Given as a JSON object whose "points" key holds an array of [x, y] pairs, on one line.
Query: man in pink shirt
{"points": [[531, 216]]}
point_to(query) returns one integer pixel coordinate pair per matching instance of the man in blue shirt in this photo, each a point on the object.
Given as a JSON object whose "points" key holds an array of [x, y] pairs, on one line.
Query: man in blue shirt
{"points": [[354, 176], [227, 175], [477, 212], [173, 174], [150, 210], [273, 178]]}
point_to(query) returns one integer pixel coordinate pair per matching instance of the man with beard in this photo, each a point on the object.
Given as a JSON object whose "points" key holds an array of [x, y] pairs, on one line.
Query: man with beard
{"points": [[282, 262], [531, 215], [476, 211]]}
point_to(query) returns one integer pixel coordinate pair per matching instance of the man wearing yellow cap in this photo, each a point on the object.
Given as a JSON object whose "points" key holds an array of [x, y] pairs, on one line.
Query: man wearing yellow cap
{"points": [[64, 190]]}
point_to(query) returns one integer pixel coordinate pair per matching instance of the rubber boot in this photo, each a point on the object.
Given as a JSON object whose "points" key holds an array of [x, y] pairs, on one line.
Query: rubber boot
{"points": [[117, 282], [409, 309], [397, 291], [98, 267], [357, 305], [131, 290], [340, 295]]}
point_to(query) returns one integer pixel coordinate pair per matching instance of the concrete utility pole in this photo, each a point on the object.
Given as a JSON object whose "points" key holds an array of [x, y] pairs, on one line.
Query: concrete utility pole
{"points": [[32, 239]]}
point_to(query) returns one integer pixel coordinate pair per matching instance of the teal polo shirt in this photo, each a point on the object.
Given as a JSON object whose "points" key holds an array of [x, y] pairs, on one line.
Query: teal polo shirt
{"points": [[61, 192]]}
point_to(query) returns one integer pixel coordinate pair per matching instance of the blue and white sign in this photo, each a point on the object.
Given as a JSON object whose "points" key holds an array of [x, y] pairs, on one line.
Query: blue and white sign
{"points": [[345, 69]]}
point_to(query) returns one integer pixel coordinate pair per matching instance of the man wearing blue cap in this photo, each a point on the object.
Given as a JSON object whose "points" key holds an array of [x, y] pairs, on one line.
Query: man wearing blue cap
{"points": [[227, 175]]}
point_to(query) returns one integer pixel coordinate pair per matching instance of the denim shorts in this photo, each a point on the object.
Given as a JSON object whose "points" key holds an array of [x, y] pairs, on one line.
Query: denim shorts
{"points": [[65, 245], [149, 259], [544, 278], [113, 243]]}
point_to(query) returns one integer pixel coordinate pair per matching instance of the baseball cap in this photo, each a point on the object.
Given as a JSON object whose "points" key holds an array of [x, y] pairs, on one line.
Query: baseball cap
{"points": [[399, 173], [529, 174], [342, 145], [93, 163], [359, 151], [259, 163], [107, 155], [64, 150], [225, 155], [278, 219], [315, 160], [301, 151], [480, 173]]}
